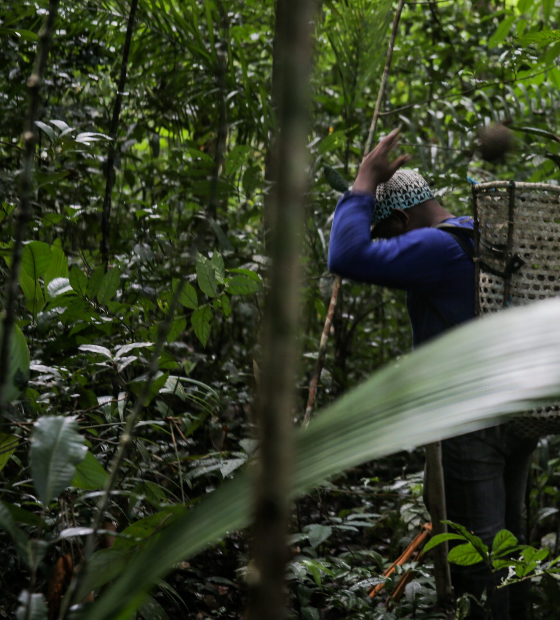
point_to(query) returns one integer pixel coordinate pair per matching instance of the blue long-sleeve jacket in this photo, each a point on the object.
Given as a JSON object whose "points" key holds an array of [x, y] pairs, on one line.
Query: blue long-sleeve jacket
{"points": [[427, 262]]}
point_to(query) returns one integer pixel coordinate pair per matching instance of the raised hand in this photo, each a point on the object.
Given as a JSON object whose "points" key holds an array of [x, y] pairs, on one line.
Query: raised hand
{"points": [[376, 167]]}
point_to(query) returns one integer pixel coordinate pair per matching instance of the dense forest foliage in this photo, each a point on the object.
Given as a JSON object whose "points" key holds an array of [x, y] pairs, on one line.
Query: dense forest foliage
{"points": [[127, 392]]}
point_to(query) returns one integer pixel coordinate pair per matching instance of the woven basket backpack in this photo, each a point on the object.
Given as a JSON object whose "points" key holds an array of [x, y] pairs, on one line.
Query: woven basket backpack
{"points": [[517, 262]]}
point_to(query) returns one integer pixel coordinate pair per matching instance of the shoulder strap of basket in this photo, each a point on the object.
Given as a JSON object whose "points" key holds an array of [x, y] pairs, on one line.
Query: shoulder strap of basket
{"points": [[463, 236]]}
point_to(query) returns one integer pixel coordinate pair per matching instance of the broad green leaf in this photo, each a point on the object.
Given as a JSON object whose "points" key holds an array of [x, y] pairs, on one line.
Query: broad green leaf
{"points": [[96, 348], [58, 266], [95, 282], [33, 607], [439, 538], [542, 37], [58, 286], [201, 323], [36, 259], [56, 450], [152, 610], [127, 348], [35, 300], [47, 129], [503, 542], [502, 31], [144, 528], [464, 555], [206, 276], [317, 534], [8, 445], [108, 286], [242, 285], [78, 280], [219, 268], [90, 475], [18, 371], [178, 326], [460, 382], [335, 179], [138, 384], [222, 302], [188, 297], [19, 515], [475, 541], [18, 536]]}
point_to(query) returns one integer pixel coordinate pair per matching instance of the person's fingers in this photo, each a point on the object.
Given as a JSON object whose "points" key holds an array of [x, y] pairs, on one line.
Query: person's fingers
{"points": [[400, 161]]}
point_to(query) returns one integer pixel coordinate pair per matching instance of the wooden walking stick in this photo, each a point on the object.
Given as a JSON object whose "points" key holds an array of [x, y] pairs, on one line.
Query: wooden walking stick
{"points": [[338, 279]]}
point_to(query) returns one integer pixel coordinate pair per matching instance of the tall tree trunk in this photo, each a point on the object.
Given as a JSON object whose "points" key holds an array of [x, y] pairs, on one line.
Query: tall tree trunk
{"points": [[25, 213], [110, 167], [275, 399]]}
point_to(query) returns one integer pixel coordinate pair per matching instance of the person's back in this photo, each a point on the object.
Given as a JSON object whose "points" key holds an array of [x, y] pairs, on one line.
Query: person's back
{"points": [[421, 249]]}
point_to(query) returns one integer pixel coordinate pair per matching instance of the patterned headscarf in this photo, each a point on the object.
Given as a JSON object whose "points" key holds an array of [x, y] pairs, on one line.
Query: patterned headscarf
{"points": [[403, 190]]}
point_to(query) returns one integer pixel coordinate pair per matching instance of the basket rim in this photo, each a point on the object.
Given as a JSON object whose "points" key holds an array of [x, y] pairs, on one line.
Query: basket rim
{"points": [[518, 185]]}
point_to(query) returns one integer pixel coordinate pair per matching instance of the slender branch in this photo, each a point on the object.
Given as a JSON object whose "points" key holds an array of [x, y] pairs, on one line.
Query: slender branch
{"points": [[275, 402], [338, 279], [322, 351], [106, 216], [124, 443], [381, 92], [468, 91], [24, 214]]}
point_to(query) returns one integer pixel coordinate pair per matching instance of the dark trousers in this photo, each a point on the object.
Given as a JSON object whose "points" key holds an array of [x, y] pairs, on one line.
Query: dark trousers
{"points": [[485, 476]]}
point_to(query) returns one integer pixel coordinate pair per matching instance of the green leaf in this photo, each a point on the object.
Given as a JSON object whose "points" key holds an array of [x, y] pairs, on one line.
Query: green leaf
{"points": [[58, 286], [96, 348], [542, 37], [138, 384], [35, 300], [439, 538], [206, 276], [335, 179], [78, 280], [503, 363], [18, 359], [58, 266], [56, 450], [36, 259], [19, 515], [18, 536], [222, 302], [95, 282], [464, 555], [503, 542], [90, 475], [201, 324], [178, 326], [475, 541], [242, 285], [317, 534], [217, 263], [152, 610], [108, 286], [502, 31], [137, 532], [33, 607], [188, 297], [8, 445]]}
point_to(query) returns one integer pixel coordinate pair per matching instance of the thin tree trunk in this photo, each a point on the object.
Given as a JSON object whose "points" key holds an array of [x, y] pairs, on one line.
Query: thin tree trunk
{"points": [[25, 213], [275, 400], [110, 167], [438, 512]]}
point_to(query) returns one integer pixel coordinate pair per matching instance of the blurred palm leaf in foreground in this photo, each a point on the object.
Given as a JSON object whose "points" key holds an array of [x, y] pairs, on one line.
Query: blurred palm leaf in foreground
{"points": [[491, 367]]}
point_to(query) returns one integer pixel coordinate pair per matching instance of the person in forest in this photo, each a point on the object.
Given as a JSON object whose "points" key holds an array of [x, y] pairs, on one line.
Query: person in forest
{"points": [[485, 472]]}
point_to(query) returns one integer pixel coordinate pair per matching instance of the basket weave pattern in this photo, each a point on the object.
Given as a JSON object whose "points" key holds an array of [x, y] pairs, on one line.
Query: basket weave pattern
{"points": [[520, 221]]}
